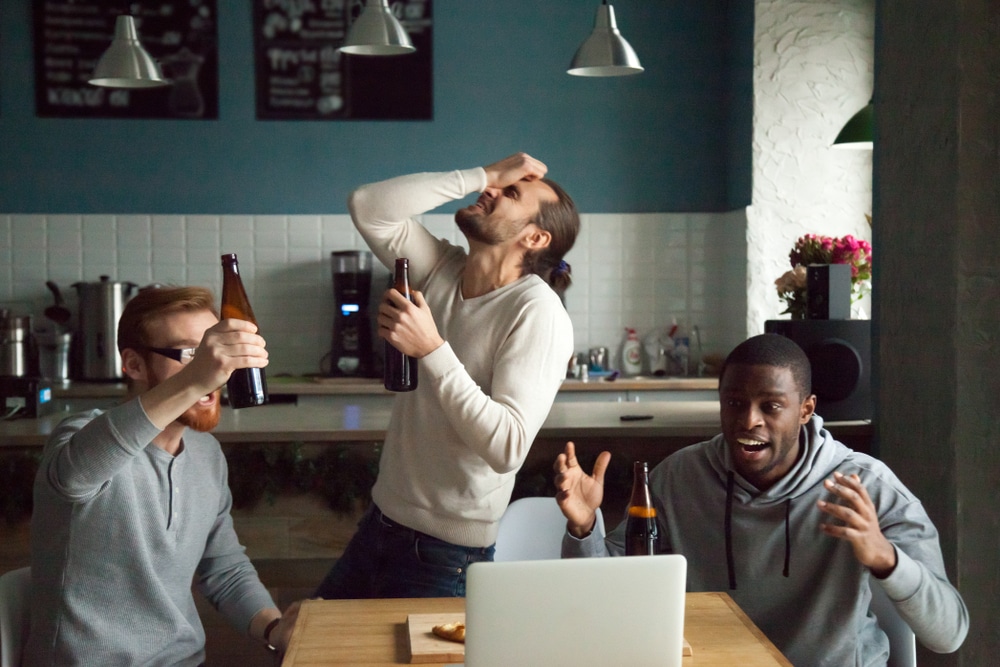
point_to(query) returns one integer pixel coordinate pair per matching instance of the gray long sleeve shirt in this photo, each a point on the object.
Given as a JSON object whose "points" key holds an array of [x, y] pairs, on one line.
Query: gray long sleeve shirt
{"points": [[120, 530]]}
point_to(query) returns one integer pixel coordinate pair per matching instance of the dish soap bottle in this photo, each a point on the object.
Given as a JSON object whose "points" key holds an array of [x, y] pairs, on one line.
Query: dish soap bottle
{"points": [[631, 353]]}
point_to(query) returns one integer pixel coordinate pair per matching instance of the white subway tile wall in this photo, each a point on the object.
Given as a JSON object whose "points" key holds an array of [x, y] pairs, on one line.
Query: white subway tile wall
{"points": [[629, 270]]}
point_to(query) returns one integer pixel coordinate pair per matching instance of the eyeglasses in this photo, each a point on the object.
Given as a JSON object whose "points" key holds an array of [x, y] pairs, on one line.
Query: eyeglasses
{"points": [[182, 355]]}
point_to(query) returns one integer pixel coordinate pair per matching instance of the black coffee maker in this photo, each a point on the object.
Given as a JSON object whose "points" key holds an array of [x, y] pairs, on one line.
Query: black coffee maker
{"points": [[352, 354]]}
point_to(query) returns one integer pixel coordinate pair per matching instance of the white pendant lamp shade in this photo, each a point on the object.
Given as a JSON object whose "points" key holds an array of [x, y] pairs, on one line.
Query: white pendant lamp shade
{"points": [[605, 52], [126, 64], [376, 32]]}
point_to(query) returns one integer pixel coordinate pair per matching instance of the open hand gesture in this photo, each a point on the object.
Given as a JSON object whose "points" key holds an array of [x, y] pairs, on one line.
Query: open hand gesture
{"points": [[579, 494], [857, 523]]}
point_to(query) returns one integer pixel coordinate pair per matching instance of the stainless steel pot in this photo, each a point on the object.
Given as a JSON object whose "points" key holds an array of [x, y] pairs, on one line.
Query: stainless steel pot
{"points": [[101, 305], [14, 342]]}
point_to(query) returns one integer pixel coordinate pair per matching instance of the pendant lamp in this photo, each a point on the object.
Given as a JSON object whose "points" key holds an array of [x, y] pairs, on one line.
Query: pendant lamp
{"points": [[605, 52], [858, 131], [126, 64], [376, 32]]}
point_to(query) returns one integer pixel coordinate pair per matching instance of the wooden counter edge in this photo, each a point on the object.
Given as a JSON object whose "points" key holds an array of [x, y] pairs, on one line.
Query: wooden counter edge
{"points": [[754, 630], [293, 642]]}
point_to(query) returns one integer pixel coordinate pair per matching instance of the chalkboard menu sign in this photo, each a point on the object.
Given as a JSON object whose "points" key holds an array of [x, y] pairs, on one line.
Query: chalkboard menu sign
{"points": [[71, 36], [300, 74]]}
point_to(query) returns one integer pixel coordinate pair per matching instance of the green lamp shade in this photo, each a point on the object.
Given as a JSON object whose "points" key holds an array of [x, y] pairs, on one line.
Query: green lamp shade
{"points": [[858, 131]]}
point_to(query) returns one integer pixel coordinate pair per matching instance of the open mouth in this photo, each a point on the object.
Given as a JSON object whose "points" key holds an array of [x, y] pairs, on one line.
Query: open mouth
{"points": [[750, 445]]}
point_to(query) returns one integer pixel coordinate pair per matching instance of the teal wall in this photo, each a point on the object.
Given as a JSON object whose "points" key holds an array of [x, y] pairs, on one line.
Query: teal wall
{"points": [[674, 138]]}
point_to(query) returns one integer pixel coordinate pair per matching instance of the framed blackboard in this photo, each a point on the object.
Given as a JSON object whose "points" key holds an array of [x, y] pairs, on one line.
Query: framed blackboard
{"points": [[181, 35], [300, 75]]}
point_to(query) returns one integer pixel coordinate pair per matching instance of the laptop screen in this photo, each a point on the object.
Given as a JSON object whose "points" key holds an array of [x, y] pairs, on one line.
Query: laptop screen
{"points": [[573, 612]]}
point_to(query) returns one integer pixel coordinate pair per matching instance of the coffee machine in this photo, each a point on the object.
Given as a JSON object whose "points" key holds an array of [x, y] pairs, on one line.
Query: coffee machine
{"points": [[352, 354]]}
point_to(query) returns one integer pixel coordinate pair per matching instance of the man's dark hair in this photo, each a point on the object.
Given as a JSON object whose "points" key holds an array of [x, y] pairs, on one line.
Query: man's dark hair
{"points": [[561, 220], [773, 350]]}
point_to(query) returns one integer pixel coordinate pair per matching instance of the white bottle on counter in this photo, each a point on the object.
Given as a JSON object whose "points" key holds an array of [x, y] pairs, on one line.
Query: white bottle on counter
{"points": [[659, 347], [631, 353], [682, 346]]}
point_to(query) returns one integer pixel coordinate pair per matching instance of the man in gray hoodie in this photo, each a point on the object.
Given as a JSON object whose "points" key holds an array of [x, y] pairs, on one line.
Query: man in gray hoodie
{"points": [[791, 523]]}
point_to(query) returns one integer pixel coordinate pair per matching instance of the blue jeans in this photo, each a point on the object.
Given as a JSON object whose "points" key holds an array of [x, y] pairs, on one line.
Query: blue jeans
{"points": [[385, 559]]}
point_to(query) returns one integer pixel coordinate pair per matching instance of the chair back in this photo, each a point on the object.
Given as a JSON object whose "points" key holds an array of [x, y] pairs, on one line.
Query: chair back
{"points": [[902, 641], [532, 529], [15, 615]]}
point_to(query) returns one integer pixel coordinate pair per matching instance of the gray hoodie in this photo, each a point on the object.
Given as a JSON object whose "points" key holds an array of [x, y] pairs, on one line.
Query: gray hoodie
{"points": [[805, 590]]}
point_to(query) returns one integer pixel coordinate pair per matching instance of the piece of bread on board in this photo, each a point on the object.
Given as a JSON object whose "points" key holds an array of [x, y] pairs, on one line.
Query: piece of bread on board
{"points": [[451, 631]]}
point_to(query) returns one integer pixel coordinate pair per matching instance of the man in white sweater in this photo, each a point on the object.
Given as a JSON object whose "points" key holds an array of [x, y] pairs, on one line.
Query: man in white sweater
{"points": [[132, 503], [493, 341]]}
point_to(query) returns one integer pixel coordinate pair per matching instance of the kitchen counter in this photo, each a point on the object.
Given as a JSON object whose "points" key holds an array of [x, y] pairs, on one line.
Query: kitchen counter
{"points": [[329, 386], [365, 418]]}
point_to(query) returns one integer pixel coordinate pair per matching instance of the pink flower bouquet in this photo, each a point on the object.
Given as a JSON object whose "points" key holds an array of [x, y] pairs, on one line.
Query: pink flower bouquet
{"points": [[816, 249]]}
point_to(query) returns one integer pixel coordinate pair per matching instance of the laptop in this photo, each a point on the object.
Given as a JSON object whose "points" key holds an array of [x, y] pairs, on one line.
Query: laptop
{"points": [[576, 612]]}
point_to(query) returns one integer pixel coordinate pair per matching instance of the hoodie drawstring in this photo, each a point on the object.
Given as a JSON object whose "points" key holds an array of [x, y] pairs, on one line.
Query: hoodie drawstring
{"points": [[730, 481], [788, 541], [730, 563]]}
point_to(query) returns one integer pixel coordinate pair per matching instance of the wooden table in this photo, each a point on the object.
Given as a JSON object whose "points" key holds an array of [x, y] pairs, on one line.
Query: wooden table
{"points": [[330, 633]]}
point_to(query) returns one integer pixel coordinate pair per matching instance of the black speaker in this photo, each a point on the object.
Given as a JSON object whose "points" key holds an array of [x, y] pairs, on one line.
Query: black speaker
{"points": [[839, 353], [828, 292]]}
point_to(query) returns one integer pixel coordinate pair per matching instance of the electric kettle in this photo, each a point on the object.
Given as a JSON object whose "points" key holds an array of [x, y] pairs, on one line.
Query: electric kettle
{"points": [[101, 305]]}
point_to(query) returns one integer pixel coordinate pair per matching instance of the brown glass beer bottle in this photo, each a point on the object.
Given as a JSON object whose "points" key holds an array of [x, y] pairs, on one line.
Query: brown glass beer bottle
{"points": [[641, 531], [247, 387], [400, 370]]}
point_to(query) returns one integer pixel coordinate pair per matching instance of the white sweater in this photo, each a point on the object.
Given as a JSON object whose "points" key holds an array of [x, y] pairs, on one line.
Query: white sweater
{"points": [[454, 444]]}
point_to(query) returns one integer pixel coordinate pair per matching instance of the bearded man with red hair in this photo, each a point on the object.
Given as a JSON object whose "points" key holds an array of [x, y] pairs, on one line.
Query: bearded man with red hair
{"points": [[132, 504]]}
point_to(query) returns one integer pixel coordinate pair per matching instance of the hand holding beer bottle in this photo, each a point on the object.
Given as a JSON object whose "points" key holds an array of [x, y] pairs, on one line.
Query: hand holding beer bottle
{"points": [[400, 369], [247, 387]]}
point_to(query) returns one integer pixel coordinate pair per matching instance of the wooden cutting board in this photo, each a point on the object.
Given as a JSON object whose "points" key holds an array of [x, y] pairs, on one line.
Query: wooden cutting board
{"points": [[425, 646]]}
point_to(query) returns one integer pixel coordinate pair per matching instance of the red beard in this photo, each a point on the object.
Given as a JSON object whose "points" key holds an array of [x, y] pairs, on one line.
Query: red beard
{"points": [[202, 419], [197, 417]]}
